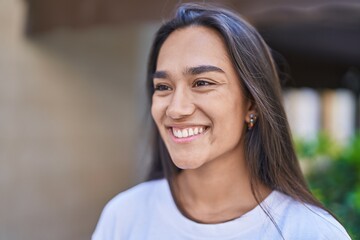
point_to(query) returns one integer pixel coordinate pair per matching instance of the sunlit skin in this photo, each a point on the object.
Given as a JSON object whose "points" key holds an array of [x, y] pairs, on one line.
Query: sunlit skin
{"points": [[197, 87]]}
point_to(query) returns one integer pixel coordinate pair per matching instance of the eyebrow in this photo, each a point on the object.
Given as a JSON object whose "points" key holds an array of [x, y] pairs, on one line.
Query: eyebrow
{"points": [[160, 74], [203, 69], [192, 71]]}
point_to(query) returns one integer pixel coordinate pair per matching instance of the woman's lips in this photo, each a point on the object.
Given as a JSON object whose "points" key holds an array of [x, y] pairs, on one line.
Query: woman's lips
{"points": [[186, 134]]}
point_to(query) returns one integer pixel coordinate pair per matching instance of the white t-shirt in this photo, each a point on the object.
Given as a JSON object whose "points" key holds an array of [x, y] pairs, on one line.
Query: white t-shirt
{"points": [[148, 211]]}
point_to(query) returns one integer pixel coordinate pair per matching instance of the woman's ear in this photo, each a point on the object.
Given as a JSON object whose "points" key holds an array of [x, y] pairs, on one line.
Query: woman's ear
{"points": [[251, 112]]}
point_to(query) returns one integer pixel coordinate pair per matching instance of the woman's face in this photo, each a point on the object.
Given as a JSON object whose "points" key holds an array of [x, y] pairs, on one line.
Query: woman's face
{"points": [[198, 104]]}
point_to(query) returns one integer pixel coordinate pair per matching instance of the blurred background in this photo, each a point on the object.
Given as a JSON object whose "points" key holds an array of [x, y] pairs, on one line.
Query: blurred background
{"points": [[72, 104]]}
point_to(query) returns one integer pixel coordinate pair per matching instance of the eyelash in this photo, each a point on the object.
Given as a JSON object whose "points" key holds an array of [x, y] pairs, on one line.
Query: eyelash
{"points": [[203, 83], [162, 87], [197, 83]]}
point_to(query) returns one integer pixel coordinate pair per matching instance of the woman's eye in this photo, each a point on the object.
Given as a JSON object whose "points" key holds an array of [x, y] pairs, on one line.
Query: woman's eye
{"points": [[162, 87], [201, 83]]}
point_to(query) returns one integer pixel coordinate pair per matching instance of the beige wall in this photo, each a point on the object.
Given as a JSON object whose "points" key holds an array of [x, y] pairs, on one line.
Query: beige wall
{"points": [[69, 124]]}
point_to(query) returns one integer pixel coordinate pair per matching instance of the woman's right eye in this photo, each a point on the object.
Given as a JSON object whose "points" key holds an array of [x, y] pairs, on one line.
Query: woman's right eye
{"points": [[162, 87]]}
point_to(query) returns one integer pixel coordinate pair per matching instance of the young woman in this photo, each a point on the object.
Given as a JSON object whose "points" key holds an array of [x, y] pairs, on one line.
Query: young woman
{"points": [[223, 156]]}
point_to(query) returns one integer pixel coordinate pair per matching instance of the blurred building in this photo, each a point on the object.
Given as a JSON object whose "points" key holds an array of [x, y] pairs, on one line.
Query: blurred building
{"points": [[329, 111], [72, 99]]}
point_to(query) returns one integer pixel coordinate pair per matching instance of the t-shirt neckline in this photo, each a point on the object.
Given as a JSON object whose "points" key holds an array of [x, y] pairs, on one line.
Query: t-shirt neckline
{"points": [[168, 210]]}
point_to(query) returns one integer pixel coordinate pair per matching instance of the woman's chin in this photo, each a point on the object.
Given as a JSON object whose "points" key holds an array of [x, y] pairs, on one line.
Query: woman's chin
{"points": [[187, 163]]}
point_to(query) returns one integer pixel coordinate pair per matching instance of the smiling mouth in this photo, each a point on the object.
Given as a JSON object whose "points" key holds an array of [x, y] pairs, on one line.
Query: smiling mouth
{"points": [[187, 132]]}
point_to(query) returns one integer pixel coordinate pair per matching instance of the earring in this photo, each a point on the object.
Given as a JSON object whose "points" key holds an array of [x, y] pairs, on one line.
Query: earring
{"points": [[252, 121]]}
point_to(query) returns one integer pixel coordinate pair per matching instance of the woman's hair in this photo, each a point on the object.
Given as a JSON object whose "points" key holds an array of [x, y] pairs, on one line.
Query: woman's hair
{"points": [[269, 151]]}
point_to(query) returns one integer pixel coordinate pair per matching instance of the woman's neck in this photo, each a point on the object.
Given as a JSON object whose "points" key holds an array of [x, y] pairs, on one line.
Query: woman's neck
{"points": [[216, 192]]}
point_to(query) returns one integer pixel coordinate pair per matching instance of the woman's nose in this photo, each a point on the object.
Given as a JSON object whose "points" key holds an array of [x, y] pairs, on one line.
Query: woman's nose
{"points": [[180, 105]]}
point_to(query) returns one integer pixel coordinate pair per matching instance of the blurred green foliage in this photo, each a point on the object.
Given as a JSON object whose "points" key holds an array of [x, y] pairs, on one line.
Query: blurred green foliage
{"points": [[333, 174]]}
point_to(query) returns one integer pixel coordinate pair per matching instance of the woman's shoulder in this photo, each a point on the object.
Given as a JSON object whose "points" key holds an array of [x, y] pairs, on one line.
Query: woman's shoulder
{"points": [[306, 220], [137, 195], [128, 209]]}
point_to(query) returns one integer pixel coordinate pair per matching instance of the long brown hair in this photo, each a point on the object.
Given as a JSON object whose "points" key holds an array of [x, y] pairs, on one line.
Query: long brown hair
{"points": [[269, 150]]}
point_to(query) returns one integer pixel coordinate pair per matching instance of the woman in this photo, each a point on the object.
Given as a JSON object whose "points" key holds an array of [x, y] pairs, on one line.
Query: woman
{"points": [[222, 142]]}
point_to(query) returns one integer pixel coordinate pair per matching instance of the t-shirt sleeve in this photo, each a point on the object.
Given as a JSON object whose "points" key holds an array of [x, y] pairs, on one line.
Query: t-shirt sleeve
{"points": [[332, 229], [300, 221], [317, 224]]}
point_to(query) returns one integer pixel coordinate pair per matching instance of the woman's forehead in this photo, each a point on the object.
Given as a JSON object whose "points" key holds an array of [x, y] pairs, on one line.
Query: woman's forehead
{"points": [[193, 46]]}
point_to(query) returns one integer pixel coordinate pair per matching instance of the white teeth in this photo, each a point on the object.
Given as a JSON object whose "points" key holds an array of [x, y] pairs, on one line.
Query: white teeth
{"points": [[191, 132], [196, 131], [188, 132], [179, 134]]}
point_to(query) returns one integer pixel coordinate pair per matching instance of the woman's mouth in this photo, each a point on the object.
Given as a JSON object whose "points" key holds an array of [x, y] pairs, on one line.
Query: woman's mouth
{"points": [[187, 134]]}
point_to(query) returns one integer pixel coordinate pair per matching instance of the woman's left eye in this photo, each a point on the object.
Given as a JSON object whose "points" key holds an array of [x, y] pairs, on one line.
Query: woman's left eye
{"points": [[201, 83]]}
